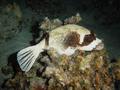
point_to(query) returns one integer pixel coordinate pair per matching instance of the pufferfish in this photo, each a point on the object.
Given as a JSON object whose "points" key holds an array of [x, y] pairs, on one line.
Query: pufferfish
{"points": [[65, 40]]}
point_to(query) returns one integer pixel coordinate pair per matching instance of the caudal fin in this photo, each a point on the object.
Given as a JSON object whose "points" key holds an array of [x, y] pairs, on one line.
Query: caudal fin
{"points": [[26, 57]]}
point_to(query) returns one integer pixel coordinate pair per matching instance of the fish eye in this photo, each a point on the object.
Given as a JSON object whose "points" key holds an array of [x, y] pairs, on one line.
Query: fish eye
{"points": [[88, 39]]}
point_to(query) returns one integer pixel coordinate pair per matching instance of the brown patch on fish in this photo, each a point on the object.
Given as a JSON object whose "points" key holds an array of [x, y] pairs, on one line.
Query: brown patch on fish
{"points": [[88, 39], [72, 39]]}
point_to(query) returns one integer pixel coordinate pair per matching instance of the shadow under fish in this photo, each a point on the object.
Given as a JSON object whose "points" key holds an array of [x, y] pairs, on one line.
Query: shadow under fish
{"points": [[12, 61]]}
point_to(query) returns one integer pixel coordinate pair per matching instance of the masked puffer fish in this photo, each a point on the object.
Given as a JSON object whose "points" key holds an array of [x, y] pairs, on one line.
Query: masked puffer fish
{"points": [[65, 40]]}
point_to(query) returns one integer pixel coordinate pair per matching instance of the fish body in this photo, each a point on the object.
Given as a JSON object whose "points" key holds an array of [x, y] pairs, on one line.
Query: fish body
{"points": [[65, 40], [58, 35]]}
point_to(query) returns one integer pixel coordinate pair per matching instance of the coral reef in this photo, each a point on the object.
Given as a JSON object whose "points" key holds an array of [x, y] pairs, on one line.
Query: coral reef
{"points": [[115, 64], [48, 24], [7, 70], [81, 71], [116, 69], [73, 19], [19, 82]]}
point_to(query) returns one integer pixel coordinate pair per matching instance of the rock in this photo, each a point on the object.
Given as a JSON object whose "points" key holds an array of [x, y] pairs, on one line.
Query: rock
{"points": [[48, 24], [6, 70], [73, 20], [80, 72]]}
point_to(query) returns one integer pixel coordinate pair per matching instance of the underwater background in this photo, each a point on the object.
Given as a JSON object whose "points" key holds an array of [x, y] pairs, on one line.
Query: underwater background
{"points": [[100, 16]]}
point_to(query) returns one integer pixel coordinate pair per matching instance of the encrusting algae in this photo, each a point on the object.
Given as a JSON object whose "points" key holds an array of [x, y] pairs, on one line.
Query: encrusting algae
{"points": [[86, 71], [80, 72]]}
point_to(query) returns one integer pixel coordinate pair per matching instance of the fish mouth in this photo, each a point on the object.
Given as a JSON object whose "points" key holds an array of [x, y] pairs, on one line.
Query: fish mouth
{"points": [[100, 46]]}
